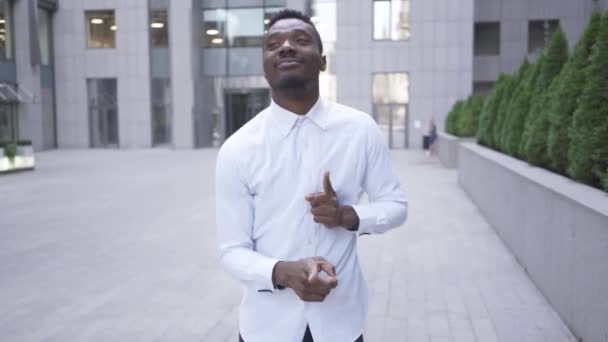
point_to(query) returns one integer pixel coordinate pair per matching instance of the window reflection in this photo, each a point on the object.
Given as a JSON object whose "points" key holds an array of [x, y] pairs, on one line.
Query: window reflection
{"points": [[390, 88], [101, 28], [236, 27], [324, 19], [390, 93], [44, 18], [391, 19], [6, 34], [245, 27], [159, 28], [214, 28]]}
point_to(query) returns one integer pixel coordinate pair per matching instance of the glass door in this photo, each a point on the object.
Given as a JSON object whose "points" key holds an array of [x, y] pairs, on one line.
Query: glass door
{"points": [[393, 122], [103, 111], [243, 105]]}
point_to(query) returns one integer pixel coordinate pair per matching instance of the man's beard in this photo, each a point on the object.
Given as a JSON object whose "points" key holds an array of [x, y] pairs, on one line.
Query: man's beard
{"points": [[292, 83]]}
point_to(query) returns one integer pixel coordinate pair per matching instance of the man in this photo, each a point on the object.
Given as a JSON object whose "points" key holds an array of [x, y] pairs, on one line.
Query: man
{"points": [[287, 187]]}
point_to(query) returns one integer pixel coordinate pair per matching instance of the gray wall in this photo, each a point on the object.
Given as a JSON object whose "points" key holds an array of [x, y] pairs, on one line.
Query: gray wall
{"points": [[128, 63], [30, 112], [438, 58], [514, 16], [556, 228]]}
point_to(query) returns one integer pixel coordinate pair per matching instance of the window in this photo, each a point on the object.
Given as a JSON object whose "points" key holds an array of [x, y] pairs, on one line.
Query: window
{"points": [[391, 19], [269, 12], [214, 28], [161, 111], [159, 28], [44, 27], [482, 88], [487, 39], [6, 32], [245, 27], [539, 33], [236, 27], [390, 93], [101, 29]]}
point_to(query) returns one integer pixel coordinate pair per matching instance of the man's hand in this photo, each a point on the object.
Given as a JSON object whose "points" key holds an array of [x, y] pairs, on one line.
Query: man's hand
{"points": [[327, 211], [304, 277]]}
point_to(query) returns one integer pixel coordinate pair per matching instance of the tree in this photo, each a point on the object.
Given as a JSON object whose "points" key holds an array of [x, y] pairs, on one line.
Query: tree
{"points": [[588, 151], [564, 100], [505, 107], [534, 140], [519, 107], [469, 116], [488, 114]]}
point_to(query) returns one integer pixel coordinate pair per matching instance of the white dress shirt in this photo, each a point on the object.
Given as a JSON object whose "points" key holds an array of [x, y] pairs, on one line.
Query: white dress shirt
{"points": [[263, 173]]}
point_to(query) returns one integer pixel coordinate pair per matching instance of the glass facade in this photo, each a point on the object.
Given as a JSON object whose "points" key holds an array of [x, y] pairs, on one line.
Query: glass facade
{"points": [[390, 93], [159, 29], [6, 30], [391, 19], [101, 29], [236, 27]]}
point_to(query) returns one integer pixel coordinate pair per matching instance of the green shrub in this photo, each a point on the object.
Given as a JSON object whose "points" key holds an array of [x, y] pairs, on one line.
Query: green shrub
{"points": [[519, 107], [505, 107], [452, 119], [534, 140], [24, 142], [587, 153], [487, 118], [469, 116], [10, 151], [564, 100]]}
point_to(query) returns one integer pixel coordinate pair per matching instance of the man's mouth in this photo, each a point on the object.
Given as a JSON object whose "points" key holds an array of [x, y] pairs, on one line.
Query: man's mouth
{"points": [[288, 63]]}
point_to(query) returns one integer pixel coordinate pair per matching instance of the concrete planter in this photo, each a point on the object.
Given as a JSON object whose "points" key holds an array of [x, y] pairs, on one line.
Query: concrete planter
{"points": [[24, 160], [556, 228], [447, 149]]}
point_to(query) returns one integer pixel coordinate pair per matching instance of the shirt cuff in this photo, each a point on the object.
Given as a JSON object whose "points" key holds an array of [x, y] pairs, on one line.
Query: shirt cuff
{"points": [[264, 269], [367, 218]]}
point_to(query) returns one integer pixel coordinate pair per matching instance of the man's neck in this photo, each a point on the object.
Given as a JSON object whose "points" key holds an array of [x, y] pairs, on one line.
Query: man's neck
{"points": [[298, 102]]}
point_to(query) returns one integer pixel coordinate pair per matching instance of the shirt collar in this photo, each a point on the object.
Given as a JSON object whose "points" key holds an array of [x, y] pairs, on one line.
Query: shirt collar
{"points": [[286, 120]]}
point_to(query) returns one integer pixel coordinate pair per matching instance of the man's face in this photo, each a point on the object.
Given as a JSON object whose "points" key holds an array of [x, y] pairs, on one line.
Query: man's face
{"points": [[291, 55]]}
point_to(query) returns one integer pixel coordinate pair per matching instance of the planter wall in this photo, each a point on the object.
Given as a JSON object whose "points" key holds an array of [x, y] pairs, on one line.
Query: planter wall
{"points": [[447, 149], [555, 227], [24, 160]]}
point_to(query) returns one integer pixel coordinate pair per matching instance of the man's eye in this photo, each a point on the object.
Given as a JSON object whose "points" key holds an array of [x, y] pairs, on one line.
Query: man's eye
{"points": [[303, 41], [271, 45]]}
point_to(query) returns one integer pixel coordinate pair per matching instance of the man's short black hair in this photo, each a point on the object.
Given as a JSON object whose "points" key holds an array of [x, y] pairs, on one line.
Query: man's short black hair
{"points": [[294, 14]]}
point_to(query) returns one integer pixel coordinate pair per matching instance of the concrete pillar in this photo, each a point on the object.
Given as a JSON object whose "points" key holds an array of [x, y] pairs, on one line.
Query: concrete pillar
{"points": [[182, 80]]}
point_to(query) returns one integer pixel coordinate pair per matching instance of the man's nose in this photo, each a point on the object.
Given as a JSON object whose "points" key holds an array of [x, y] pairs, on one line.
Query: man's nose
{"points": [[286, 46]]}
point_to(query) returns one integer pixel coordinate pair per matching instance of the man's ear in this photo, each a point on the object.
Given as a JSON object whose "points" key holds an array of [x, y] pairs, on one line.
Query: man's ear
{"points": [[323, 63]]}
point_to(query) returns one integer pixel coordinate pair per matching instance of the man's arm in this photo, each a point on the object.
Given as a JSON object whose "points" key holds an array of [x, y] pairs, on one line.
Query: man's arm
{"points": [[234, 217], [387, 207]]}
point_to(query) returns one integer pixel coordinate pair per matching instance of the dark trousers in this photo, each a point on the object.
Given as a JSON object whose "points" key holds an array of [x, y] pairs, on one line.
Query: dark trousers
{"points": [[308, 337]]}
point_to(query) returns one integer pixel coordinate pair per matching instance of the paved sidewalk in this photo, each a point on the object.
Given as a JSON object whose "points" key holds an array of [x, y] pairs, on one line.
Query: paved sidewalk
{"points": [[120, 246]]}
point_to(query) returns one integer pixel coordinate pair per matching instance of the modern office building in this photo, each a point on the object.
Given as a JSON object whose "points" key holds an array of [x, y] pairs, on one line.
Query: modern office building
{"points": [[188, 73]]}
